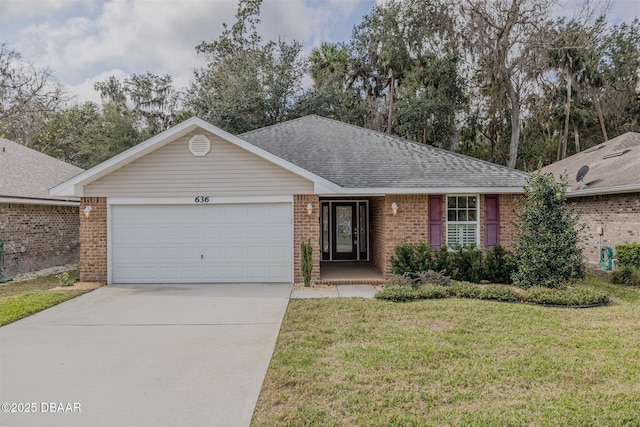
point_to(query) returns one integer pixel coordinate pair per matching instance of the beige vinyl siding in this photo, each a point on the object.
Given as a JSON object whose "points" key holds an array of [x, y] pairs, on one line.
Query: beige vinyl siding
{"points": [[172, 171]]}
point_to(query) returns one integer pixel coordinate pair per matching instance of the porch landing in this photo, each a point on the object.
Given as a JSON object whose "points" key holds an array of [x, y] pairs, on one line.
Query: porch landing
{"points": [[347, 273]]}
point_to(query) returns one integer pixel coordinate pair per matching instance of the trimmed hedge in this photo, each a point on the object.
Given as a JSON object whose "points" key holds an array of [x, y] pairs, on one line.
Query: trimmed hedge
{"points": [[628, 254], [499, 293], [431, 292], [397, 293], [463, 290], [573, 297], [626, 275]]}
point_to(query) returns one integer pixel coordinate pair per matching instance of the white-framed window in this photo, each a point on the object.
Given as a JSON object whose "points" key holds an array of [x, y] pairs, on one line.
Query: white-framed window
{"points": [[463, 220]]}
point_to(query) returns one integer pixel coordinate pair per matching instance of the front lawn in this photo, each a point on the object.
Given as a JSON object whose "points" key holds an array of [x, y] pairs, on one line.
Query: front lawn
{"points": [[20, 299], [455, 362]]}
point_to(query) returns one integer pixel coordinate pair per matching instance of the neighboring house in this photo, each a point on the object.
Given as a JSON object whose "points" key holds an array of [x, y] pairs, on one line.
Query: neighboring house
{"points": [[197, 204], [609, 194], [40, 230]]}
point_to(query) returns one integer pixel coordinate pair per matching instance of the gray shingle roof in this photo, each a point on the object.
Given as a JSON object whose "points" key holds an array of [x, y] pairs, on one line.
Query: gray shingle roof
{"points": [[612, 164], [28, 173], [355, 157]]}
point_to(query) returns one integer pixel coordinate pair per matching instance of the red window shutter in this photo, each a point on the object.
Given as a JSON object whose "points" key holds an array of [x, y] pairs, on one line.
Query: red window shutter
{"points": [[435, 221], [491, 221]]}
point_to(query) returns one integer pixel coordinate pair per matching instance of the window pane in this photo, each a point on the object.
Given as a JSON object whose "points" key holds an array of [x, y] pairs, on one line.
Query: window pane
{"points": [[472, 202], [462, 202], [472, 215], [462, 216], [451, 202], [451, 215]]}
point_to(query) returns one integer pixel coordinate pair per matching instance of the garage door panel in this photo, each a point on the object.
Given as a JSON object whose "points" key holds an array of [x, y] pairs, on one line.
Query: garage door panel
{"points": [[201, 243]]}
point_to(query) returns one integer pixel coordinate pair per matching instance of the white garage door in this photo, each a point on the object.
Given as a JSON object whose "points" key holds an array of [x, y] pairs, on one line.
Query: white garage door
{"points": [[226, 243]]}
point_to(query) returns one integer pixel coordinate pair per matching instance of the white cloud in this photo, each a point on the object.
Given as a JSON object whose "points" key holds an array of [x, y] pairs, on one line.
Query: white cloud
{"points": [[84, 91]]}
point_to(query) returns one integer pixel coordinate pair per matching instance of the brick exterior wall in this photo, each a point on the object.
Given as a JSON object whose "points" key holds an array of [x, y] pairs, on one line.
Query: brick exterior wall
{"points": [[41, 236], [411, 222], [617, 214], [306, 228], [93, 240], [508, 205]]}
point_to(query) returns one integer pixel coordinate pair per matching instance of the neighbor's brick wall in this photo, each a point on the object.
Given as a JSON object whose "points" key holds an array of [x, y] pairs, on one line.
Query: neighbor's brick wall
{"points": [[508, 205], [93, 240], [617, 214], [49, 236], [306, 228]]}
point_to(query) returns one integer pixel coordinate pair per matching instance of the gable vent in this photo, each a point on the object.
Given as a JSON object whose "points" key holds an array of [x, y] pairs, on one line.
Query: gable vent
{"points": [[199, 145]]}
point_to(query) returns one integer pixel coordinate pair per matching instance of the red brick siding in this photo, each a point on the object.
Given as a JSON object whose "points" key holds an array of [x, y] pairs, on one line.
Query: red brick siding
{"points": [[617, 214], [49, 236], [508, 205], [93, 240], [377, 232], [410, 224], [306, 228]]}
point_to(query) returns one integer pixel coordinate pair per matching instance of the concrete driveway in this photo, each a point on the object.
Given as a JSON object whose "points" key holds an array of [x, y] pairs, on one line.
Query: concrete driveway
{"points": [[144, 355]]}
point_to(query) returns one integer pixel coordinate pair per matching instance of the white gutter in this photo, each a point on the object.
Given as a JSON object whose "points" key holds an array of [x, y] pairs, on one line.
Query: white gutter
{"points": [[32, 201], [628, 188]]}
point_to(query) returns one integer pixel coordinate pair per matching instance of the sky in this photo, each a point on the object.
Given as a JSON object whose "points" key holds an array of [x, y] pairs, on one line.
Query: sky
{"points": [[84, 41]]}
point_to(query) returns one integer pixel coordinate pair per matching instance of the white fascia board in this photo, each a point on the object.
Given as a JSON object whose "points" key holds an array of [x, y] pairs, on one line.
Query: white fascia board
{"points": [[629, 188], [191, 200], [75, 186], [434, 190], [48, 202]]}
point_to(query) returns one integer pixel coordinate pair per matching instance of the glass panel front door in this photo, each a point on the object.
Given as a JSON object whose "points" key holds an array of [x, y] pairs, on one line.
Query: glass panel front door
{"points": [[344, 231]]}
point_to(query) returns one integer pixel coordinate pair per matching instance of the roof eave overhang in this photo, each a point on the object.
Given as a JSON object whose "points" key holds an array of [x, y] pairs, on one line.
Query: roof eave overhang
{"points": [[39, 201], [422, 190], [75, 186], [618, 189]]}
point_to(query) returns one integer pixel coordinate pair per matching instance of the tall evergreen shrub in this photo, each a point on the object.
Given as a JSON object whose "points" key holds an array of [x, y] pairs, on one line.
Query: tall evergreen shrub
{"points": [[547, 252]]}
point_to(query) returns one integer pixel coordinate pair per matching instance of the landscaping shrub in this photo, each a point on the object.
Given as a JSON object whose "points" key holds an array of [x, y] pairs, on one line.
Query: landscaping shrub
{"points": [[400, 280], [463, 290], [626, 275], [431, 292], [431, 277], [499, 265], [410, 259], [442, 260], [628, 254], [466, 263], [499, 293], [576, 297], [404, 259], [547, 252], [396, 293], [306, 261]]}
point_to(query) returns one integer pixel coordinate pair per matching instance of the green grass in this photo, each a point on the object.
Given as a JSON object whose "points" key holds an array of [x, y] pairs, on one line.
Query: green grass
{"points": [[21, 299], [455, 362]]}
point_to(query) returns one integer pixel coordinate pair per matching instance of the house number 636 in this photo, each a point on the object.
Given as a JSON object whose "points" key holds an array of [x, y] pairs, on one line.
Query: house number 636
{"points": [[202, 199]]}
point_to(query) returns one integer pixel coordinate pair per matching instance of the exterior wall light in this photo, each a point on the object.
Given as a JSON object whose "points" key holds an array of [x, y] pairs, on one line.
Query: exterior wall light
{"points": [[309, 209], [87, 211], [394, 208]]}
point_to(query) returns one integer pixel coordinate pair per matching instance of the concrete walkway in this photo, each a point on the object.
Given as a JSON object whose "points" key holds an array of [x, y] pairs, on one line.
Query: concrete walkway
{"points": [[349, 291], [144, 355]]}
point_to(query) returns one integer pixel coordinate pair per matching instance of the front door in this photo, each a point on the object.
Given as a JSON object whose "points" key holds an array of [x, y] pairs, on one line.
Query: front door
{"points": [[345, 231]]}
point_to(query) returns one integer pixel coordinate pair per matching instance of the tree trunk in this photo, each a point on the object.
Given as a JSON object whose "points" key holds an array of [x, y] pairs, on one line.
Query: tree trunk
{"points": [[576, 138], [515, 123], [391, 91], [567, 113], [596, 102], [454, 142]]}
